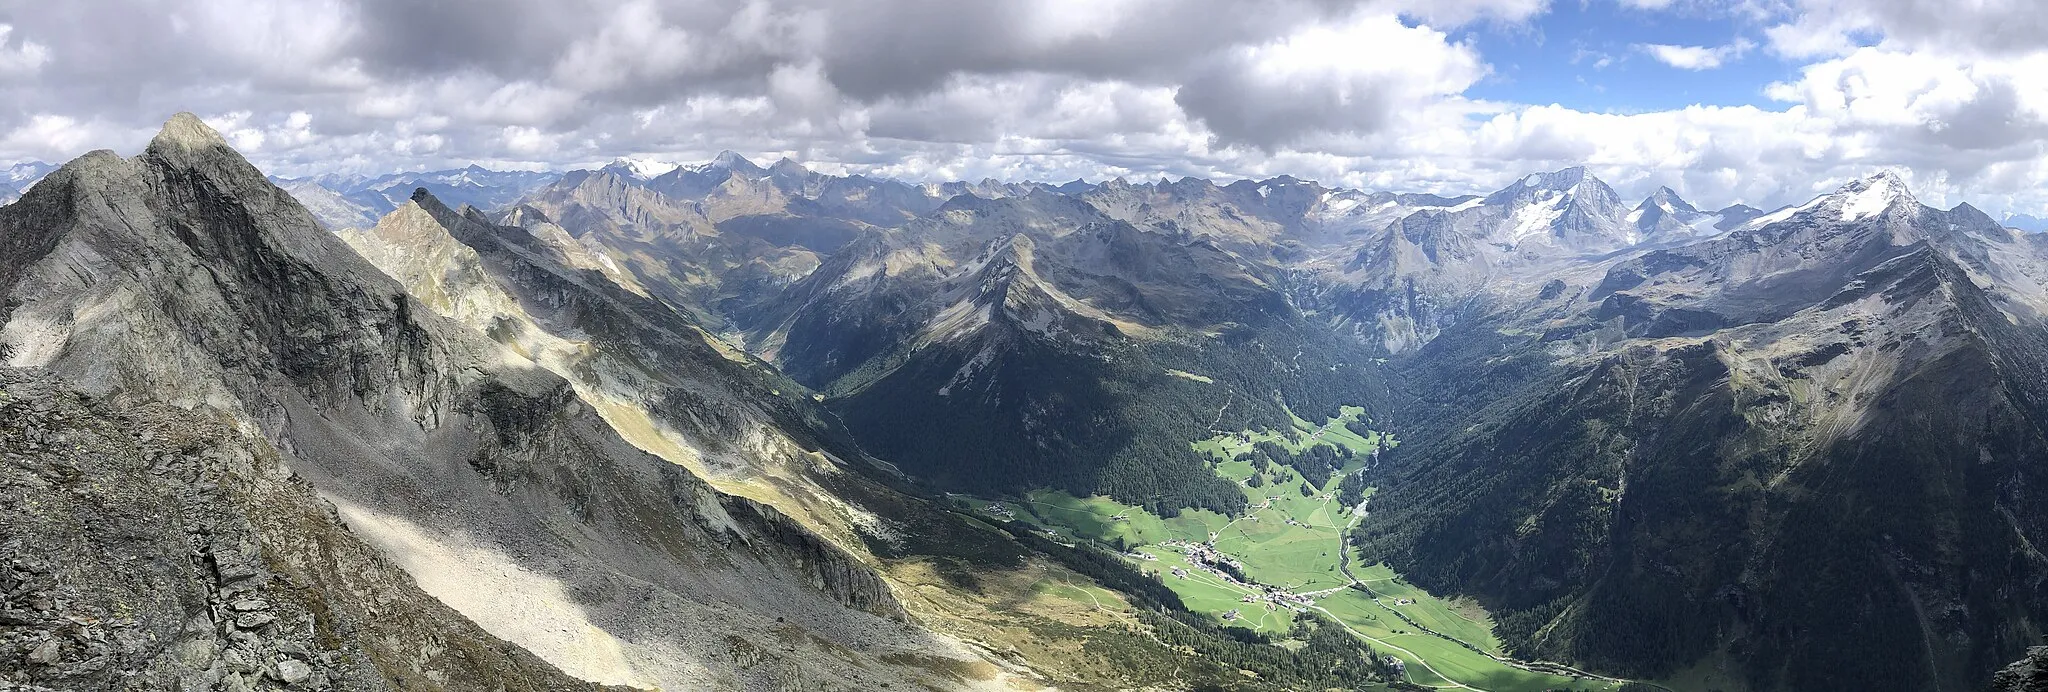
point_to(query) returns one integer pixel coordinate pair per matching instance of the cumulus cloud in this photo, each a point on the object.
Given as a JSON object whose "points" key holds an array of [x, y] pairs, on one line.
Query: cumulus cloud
{"points": [[1351, 77], [1976, 27], [1696, 57], [20, 57]]}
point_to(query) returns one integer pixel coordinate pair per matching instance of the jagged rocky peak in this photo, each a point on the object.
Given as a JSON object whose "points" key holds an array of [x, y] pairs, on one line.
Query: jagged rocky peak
{"points": [[1575, 181], [186, 142], [1667, 200], [1664, 215], [1008, 255], [186, 131], [522, 215]]}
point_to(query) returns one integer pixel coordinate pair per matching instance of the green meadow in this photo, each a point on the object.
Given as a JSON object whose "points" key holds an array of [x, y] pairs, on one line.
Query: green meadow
{"points": [[1295, 541]]}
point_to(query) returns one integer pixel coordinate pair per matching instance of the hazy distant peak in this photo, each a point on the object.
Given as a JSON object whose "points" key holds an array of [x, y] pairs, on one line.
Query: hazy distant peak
{"points": [[789, 167], [1668, 201], [732, 161]]}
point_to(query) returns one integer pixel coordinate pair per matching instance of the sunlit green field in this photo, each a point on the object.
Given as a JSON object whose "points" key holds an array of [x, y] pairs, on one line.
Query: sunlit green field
{"points": [[1434, 613], [1301, 555]]}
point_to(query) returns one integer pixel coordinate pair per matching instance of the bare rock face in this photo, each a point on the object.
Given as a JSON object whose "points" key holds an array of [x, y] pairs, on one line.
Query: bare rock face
{"points": [[182, 276], [2028, 674], [153, 548]]}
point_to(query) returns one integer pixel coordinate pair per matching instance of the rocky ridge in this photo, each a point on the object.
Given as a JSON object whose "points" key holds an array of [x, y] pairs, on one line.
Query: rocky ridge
{"points": [[154, 548], [182, 276]]}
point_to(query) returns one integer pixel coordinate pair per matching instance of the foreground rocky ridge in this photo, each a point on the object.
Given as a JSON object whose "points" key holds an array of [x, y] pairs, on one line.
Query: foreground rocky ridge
{"points": [[182, 276], [155, 548]]}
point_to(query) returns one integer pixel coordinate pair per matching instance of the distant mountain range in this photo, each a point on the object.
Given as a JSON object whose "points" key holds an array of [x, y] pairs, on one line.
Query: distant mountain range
{"points": [[19, 177], [356, 201], [345, 201], [2024, 222], [696, 425]]}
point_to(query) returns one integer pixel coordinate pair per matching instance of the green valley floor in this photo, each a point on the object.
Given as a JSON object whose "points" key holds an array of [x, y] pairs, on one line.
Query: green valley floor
{"points": [[1290, 548]]}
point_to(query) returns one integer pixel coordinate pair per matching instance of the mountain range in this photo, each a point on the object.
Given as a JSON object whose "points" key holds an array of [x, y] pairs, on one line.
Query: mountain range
{"points": [[725, 426]]}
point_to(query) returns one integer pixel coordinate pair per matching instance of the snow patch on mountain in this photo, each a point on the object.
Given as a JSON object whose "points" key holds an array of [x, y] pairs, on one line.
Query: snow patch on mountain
{"points": [[1536, 218], [1878, 194], [639, 168]]}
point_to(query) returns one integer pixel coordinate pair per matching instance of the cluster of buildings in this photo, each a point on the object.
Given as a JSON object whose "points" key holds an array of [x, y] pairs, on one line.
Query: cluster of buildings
{"points": [[1204, 557], [1203, 554], [1276, 599]]}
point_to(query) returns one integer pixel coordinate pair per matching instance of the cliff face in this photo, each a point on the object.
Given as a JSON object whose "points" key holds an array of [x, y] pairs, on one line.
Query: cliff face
{"points": [[182, 276], [155, 548]]}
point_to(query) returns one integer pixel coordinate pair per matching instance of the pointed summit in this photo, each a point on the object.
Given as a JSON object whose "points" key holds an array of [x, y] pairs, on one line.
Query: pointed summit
{"points": [[1872, 196], [186, 143], [789, 168], [732, 161], [1886, 182], [1667, 200], [186, 132]]}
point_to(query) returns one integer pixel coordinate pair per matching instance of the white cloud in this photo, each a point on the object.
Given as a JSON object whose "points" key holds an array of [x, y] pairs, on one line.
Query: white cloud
{"points": [[1822, 28], [1697, 57], [1451, 13], [1355, 76], [636, 44], [23, 59]]}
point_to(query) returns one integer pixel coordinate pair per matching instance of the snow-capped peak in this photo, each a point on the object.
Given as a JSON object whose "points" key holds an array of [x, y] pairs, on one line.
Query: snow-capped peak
{"points": [[639, 168], [1871, 196], [28, 172], [1857, 200], [1667, 200], [1569, 181]]}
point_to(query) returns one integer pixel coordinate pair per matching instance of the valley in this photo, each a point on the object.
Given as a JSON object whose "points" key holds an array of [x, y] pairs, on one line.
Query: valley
{"points": [[1290, 549]]}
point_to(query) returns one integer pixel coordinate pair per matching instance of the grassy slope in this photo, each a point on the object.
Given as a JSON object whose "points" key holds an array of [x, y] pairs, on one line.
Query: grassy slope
{"points": [[1300, 556]]}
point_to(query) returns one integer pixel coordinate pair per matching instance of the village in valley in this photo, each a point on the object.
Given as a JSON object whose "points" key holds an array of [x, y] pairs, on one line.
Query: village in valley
{"points": [[1203, 556]]}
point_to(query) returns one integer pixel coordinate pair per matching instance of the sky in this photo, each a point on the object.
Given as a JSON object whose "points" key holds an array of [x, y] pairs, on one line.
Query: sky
{"points": [[1764, 102]]}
